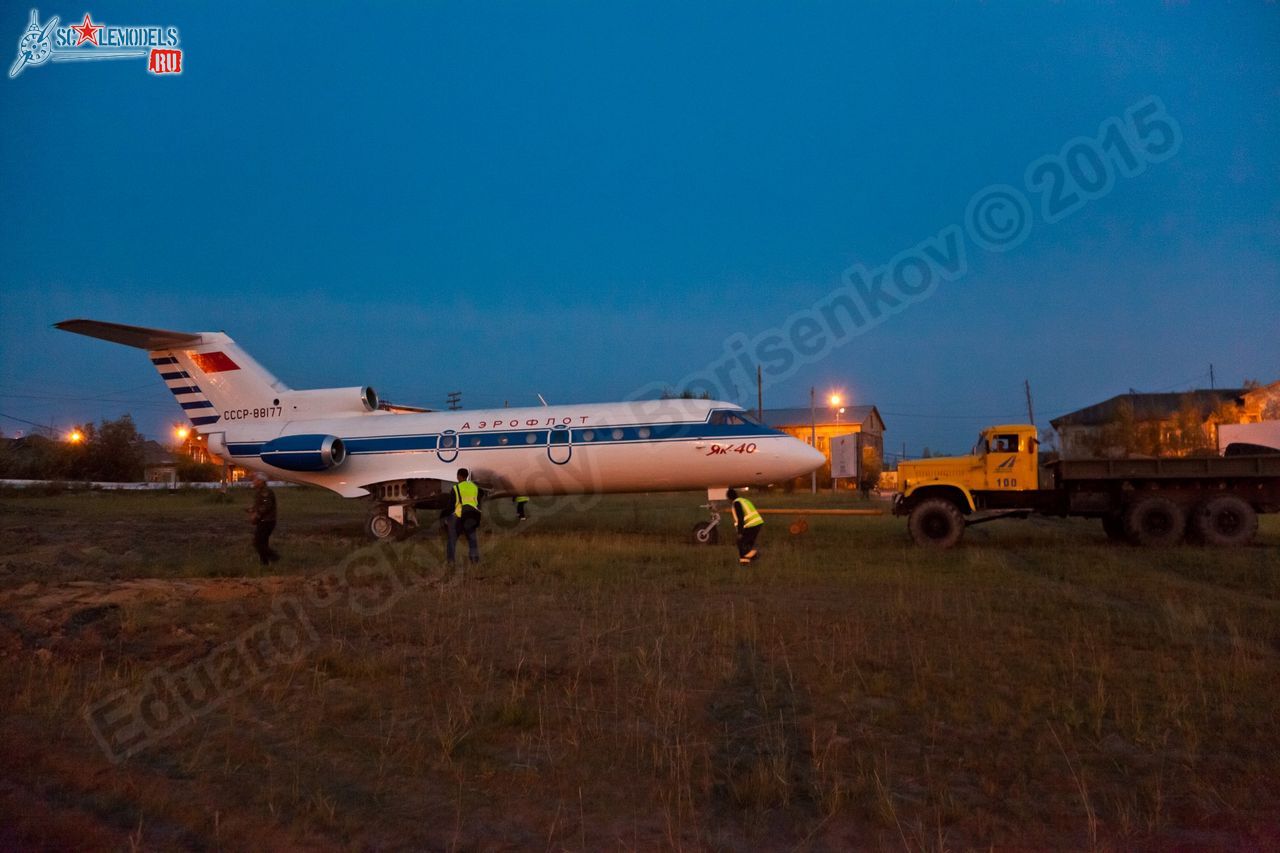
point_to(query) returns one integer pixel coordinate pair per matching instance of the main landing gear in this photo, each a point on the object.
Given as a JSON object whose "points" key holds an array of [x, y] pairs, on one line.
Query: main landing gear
{"points": [[391, 522]]}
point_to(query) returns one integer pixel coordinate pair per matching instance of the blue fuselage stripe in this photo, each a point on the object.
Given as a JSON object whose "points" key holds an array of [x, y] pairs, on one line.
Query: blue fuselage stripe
{"points": [[513, 439]]}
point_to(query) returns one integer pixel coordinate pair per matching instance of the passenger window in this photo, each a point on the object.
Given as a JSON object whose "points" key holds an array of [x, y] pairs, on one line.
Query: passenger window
{"points": [[447, 441], [644, 432], [588, 435], [617, 435]]}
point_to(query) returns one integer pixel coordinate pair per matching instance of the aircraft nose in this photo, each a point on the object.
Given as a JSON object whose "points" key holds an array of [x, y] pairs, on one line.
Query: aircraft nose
{"points": [[813, 457], [804, 457]]}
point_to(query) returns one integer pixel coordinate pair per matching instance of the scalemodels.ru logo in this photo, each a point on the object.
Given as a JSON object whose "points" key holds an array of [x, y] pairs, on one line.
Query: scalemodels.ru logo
{"points": [[89, 41]]}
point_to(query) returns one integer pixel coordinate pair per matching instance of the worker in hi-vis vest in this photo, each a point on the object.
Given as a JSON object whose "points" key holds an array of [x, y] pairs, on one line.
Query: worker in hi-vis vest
{"points": [[522, 507], [465, 516], [748, 521]]}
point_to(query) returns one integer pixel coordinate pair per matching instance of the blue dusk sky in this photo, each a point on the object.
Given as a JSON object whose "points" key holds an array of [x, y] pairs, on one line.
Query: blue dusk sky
{"points": [[584, 199]]}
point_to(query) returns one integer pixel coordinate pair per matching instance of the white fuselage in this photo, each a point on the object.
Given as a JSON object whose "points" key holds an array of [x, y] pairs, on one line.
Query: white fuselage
{"points": [[652, 445], [343, 439]]}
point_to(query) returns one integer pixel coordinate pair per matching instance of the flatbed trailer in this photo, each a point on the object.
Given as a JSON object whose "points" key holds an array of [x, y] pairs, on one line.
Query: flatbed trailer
{"points": [[1149, 501]]}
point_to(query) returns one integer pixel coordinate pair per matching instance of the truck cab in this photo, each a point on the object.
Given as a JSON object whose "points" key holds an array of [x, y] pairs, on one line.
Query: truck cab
{"points": [[938, 493], [1005, 458]]}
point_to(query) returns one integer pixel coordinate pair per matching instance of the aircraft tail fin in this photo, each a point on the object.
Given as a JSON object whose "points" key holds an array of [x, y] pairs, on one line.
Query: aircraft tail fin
{"points": [[209, 375]]}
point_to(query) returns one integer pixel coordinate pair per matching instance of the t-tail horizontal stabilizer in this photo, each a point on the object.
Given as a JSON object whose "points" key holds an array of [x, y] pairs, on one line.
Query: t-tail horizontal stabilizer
{"points": [[210, 377], [130, 336]]}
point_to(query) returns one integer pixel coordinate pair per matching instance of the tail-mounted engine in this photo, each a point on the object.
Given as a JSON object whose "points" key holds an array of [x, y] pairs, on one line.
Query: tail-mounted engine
{"points": [[304, 452]]}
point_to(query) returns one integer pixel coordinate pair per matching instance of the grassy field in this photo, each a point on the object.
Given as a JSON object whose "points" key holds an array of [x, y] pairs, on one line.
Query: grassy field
{"points": [[598, 683]]}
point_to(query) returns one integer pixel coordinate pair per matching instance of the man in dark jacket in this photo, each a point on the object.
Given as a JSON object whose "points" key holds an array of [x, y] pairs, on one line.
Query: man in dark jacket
{"points": [[262, 515]]}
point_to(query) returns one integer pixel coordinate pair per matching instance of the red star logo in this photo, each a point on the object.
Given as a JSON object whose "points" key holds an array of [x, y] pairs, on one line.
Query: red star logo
{"points": [[88, 31]]}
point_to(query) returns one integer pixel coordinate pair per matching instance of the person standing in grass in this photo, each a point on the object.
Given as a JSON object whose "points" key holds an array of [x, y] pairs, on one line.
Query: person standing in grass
{"points": [[522, 507], [748, 521], [262, 515], [465, 516]]}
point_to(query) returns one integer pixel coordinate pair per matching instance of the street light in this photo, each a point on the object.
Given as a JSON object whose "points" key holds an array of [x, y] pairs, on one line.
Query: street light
{"points": [[813, 437], [835, 404], [181, 432], [75, 436]]}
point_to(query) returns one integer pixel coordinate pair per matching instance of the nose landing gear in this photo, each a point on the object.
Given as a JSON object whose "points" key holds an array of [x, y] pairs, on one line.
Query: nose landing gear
{"points": [[707, 532]]}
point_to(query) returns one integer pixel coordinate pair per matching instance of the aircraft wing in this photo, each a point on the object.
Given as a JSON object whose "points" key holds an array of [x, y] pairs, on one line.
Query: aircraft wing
{"points": [[131, 336]]}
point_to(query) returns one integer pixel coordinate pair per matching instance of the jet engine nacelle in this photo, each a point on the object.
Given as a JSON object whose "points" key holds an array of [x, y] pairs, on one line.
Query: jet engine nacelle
{"points": [[304, 452], [329, 402]]}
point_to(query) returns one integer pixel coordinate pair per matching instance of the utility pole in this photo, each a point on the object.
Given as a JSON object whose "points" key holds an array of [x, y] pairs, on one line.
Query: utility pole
{"points": [[813, 434], [1031, 415], [455, 400], [759, 395], [1211, 385]]}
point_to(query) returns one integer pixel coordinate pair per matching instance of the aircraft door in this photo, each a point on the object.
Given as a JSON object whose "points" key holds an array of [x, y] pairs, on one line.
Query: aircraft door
{"points": [[1002, 463], [559, 445], [447, 446]]}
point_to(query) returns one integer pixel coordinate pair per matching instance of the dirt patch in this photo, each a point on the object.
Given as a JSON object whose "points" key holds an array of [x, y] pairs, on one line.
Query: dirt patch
{"points": [[84, 613]]}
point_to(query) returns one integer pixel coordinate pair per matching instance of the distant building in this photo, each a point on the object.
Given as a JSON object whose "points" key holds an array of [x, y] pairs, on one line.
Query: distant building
{"points": [[1172, 424], [196, 446], [827, 422], [158, 464]]}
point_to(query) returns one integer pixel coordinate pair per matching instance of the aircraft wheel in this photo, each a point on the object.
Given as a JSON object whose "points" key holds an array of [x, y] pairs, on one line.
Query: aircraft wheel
{"points": [[382, 528], [936, 523], [1226, 520], [704, 533], [1155, 520]]}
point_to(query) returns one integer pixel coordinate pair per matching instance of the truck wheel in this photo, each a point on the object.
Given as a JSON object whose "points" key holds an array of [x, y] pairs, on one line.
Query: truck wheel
{"points": [[936, 523], [1155, 520], [1226, 520], [705, 534], [1113, 526]]}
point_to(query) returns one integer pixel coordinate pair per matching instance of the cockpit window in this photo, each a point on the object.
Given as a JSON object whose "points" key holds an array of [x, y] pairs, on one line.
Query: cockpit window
{"points": [[720, 417]]}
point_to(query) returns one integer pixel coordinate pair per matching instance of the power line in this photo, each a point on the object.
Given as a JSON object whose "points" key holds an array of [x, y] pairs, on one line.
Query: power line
{"points": [[151, 404], [41, 427], [941, 417]]}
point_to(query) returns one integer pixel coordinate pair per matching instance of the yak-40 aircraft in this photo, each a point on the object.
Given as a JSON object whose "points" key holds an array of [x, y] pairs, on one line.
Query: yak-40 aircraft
{"points": [[405, 458]]}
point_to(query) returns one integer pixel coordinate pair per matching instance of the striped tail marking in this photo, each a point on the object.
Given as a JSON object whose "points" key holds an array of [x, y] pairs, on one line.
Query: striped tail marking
{"points": [[195, 405]]}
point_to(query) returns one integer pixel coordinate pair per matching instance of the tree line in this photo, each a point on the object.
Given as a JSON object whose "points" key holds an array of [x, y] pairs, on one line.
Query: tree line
{"points": [[112, 451]]}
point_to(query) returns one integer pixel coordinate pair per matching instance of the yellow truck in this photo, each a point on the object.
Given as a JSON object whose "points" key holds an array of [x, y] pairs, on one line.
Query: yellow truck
{"points": [[1213, 500]]}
